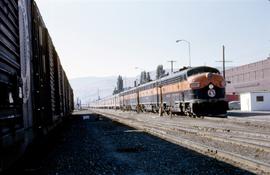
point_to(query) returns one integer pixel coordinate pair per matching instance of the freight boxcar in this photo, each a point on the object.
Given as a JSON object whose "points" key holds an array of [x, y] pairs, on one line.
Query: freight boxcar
{"points": [[11, 118], [35, 94]]}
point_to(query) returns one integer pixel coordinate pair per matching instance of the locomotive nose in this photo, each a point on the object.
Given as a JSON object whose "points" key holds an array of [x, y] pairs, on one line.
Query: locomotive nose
{"points": [[215, 79]]}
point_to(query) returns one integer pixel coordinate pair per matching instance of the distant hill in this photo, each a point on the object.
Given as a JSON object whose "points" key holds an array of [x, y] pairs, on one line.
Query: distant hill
{"points": [[87, 88]]}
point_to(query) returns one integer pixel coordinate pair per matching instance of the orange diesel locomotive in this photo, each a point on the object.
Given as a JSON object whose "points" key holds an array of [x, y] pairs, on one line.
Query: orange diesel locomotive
{"points": [[198, 91]]}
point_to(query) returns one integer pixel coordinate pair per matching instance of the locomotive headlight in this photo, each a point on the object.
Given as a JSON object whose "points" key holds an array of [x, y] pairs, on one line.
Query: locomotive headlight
{"points": [[195, 85], [211, 86]]}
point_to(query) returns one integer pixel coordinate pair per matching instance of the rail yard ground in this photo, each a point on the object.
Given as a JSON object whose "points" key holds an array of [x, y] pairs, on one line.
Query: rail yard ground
{"points": [[90, 143], [242, 139]]}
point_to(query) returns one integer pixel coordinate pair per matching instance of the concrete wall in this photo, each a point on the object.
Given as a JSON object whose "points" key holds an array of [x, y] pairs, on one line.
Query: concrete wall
{"points": [[251, 77]]}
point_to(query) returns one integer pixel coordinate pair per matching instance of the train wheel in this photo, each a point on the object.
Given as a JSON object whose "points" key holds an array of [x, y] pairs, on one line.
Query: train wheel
{"points": [[138, 108], [156, 109], [143, 109], [188, 110], [152, 108]]}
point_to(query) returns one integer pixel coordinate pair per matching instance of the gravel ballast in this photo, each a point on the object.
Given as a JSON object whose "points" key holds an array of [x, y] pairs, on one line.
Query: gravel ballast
{"points": [[97, 145]]}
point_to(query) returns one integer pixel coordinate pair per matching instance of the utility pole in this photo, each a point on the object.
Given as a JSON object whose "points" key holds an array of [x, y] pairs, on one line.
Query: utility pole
{"points": [[98, 94], [172, 61], [223, 62]]}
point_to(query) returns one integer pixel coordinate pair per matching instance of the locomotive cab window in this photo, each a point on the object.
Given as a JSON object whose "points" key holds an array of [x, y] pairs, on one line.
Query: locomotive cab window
{"points": [[200, 70]]}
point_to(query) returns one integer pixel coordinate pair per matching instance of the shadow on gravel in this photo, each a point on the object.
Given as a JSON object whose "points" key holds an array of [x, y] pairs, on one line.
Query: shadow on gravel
{"points": [[93, 144], [247, 114], [36, 152], [134, 149]]}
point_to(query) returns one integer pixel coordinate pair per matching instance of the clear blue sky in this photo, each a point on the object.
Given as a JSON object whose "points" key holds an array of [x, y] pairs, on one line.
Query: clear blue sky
{"points": [[111, 37]]}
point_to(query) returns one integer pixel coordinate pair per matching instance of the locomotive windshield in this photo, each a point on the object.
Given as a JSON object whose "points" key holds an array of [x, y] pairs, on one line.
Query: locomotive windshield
{"points": [[200, 70]]}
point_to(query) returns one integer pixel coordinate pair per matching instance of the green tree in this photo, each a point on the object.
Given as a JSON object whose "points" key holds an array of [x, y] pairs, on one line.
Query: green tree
{"points": [[143, 77], [148, 77], [160, 72], [119, 85]]}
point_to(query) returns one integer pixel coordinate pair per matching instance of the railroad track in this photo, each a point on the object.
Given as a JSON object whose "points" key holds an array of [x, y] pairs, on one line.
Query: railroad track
{"points": [[261, 150], [243, 122], [239, 146], [258, 143], [228, 133]]}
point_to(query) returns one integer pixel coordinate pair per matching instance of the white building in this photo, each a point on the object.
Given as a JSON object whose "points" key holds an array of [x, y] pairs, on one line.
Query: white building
{"points": [[255, 101]]}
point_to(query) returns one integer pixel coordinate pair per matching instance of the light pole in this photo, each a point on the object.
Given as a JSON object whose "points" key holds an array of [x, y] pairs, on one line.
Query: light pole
{"points": [[177, 41], [98, 94]]}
